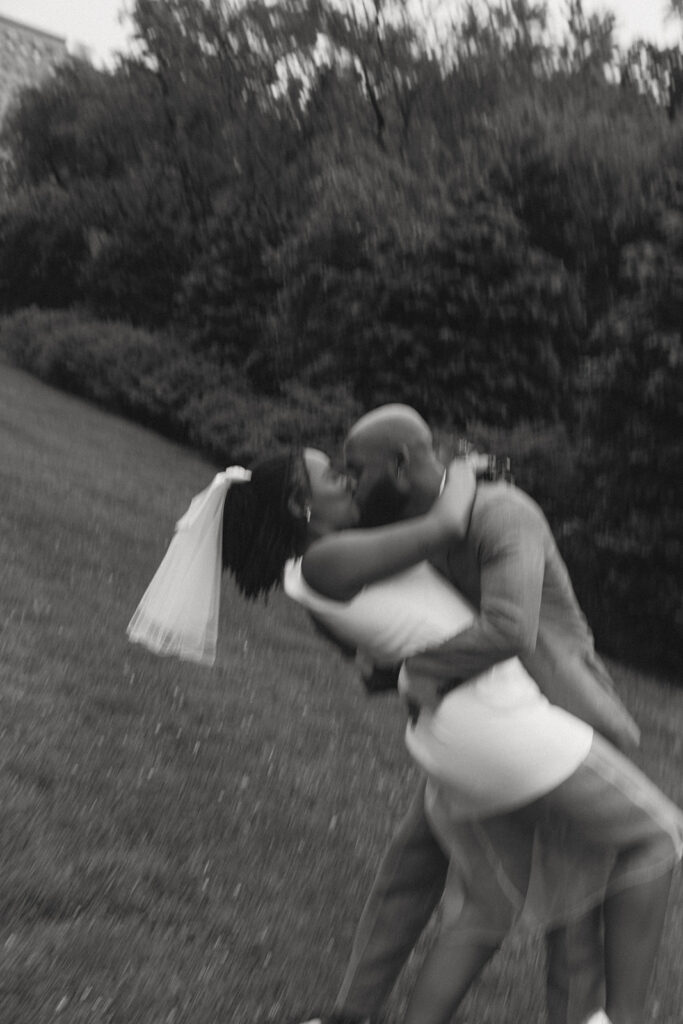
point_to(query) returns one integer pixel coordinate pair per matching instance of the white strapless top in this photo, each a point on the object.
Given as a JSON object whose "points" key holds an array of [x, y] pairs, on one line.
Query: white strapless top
{"points": [[392, 619], [495, 742]]}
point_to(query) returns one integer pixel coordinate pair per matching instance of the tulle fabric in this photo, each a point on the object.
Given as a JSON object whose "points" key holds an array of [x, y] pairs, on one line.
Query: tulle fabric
{"points": [[602, 831], [178, 613]]}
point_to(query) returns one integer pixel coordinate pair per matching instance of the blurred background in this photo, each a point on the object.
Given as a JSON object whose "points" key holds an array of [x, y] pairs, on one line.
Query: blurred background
{"points": [[230, 226]]}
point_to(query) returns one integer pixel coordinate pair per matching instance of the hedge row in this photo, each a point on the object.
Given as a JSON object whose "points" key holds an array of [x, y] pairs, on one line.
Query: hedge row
{"points": [[630, 594], [152, 379]]}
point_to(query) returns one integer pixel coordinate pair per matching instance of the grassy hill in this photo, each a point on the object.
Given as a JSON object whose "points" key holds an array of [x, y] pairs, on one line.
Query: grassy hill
{"points": [[180, 844]]}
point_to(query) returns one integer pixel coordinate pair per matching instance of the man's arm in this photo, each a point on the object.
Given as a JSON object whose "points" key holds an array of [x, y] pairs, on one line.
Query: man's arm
{"points": [[510, 546], [512, 557]]}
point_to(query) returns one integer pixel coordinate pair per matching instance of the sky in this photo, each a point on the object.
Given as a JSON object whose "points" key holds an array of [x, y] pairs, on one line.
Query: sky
{"points": [[96, 23]]}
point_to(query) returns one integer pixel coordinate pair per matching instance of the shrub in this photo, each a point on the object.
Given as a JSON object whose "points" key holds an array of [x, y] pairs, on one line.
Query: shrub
{"points": [[152, 379], [634, 523], [122, 368]]}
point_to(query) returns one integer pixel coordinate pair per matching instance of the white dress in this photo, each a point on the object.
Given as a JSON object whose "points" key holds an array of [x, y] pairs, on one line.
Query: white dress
{"points": [[493, 743], [489, 748]]}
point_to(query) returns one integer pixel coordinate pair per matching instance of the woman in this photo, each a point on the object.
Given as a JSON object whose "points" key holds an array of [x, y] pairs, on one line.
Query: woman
{"points": [[373, 590]]}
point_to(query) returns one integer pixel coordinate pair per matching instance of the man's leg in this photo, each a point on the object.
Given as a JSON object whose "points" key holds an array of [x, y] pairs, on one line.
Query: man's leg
{"points": [[445, 978], [575, 970], [404, 895], [483, 897]]}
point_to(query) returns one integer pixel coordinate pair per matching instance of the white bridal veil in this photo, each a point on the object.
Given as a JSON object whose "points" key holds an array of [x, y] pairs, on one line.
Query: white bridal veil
{"points": [[178, 613]]}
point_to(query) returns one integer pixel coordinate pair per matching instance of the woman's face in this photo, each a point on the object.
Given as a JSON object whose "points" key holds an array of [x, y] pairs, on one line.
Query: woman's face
{"points": [[332, 503]]}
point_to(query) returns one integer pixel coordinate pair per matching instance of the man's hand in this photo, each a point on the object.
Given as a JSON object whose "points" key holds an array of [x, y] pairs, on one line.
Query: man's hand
{"points": [[375, 679]]}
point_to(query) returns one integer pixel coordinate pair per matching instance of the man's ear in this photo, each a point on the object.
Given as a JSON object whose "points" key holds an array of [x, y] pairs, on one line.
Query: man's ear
{"points": [[401, 469]]}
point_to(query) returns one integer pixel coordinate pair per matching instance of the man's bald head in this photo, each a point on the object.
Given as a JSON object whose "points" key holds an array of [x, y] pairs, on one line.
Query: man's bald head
{"points": [[390, 453], [390, 426]]}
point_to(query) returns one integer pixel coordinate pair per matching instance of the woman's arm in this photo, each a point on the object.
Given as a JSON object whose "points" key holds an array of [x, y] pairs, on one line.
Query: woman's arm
{"points": [[340, 565]]}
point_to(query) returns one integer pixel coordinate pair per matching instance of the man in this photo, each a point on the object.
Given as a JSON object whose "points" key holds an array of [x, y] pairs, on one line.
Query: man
{"points": [[526, 607]]}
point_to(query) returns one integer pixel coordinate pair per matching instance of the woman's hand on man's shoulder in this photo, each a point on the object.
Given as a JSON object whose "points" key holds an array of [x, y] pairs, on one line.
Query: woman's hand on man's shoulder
{"points": [[453, 508]]}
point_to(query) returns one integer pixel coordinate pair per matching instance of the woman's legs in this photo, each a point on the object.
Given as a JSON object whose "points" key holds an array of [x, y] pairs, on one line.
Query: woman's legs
{"points": [[612, 805], [633, 927]]}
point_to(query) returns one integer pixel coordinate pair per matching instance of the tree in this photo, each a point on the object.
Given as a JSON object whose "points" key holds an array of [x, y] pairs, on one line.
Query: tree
{"points": [[42, 249]]}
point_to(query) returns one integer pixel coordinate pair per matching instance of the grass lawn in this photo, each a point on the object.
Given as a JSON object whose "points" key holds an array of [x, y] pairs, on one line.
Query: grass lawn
{"points": [[180, 844]]}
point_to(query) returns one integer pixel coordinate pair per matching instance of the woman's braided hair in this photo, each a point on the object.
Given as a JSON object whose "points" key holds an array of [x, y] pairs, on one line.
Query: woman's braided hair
{"points": [[260, 532]]}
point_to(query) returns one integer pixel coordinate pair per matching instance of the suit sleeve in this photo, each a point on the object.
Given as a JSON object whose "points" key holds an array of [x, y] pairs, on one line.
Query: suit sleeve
{"points": [[510, 542]]}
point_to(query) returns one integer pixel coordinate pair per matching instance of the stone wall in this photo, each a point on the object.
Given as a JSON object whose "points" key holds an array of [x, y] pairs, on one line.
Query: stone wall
{"points": [[26, 55]]}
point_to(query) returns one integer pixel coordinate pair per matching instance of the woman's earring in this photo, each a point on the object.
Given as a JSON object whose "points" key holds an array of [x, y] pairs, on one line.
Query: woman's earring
{"points": [[307, 513]]}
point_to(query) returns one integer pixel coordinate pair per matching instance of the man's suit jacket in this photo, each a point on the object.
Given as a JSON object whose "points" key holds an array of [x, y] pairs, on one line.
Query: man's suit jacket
{"points": [[511, 571]]}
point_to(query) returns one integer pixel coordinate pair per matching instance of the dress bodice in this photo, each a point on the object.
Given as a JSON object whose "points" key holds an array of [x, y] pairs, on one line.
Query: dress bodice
{"points": [[492, 743], [392, 619]]}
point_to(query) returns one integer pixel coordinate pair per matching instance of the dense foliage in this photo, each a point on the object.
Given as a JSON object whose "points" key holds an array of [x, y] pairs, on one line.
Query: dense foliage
{"points": [[151, 378], [304, 210]]}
